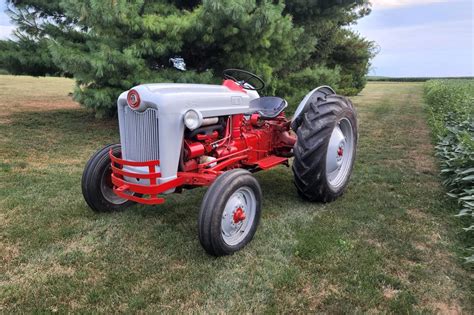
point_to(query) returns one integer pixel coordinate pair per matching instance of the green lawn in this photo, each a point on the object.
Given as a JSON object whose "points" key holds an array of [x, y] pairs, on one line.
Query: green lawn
{"points": [[390, 244]]}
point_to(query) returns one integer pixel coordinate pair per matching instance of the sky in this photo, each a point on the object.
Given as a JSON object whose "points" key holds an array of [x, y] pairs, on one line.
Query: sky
{"points": [[421, 37], [416, 38], [5, 26]]}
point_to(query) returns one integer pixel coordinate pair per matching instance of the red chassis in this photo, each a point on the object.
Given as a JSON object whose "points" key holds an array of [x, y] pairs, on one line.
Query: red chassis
{"points": [[248, 142]]}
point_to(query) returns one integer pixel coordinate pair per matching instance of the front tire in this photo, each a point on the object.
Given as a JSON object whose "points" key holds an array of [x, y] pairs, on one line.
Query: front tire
{"points": [[325, 149], [97, 187], [230, 213]]}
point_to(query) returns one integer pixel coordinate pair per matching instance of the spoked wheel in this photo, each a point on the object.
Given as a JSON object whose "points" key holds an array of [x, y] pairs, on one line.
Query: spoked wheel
{"points": [[325, 149], [230, 213], [97, 187]]}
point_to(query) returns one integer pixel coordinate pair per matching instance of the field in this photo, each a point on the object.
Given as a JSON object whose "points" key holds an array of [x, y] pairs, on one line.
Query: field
{"points": [[450, 106], [412, 79], [390, 244]]}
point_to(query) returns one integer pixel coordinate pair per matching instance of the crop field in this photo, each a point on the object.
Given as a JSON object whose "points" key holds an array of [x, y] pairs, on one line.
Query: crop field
{"points": [[413, 79], [450, 105], [390, 244]]}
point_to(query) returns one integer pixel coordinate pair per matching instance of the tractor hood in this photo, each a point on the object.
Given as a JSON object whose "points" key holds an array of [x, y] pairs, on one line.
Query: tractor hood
{"points": [[176, 98], [153, 128]]}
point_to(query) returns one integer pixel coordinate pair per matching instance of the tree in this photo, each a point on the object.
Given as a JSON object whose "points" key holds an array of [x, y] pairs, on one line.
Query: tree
{"points": [[29, 53], [110, 46], [26, 56]]}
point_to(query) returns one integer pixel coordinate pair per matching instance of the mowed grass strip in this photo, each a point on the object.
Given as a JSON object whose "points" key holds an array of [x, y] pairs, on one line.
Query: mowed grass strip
{"points": [[388, 245]]}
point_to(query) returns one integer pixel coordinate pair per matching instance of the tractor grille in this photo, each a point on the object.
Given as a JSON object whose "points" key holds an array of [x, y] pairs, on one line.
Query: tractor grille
{"points": [[139, 134]]}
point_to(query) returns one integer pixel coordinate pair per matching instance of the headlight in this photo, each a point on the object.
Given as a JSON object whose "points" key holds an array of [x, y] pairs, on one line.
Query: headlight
{"points": [[133, 99], [192, 119]]}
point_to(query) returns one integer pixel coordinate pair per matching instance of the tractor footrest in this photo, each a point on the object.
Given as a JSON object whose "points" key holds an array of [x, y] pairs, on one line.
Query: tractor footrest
{"points": [[271, 161]]}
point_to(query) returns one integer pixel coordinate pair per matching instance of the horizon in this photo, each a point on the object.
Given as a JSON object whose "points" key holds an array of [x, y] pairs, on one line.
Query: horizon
{"points": [[417, 38]]}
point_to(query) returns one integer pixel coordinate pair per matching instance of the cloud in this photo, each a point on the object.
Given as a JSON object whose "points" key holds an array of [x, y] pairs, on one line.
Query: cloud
{"points": [[432, 49], [387, 4], [6, 31]]}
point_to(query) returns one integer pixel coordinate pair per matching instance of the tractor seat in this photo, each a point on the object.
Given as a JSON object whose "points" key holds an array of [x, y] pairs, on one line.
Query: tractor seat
{"points": [[268, 106]]}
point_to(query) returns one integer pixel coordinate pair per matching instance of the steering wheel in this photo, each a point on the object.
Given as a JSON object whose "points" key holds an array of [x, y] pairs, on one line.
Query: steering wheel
{"points": [[242, 77]]}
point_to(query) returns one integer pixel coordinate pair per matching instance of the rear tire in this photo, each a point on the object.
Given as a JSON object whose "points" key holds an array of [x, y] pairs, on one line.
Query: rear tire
{"points": [[97, 187], [230, 213], [329, 124]]}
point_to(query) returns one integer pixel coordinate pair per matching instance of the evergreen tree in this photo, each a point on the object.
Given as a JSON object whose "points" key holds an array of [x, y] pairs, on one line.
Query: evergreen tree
{"points": [[109, 46], [29, 53], [25, 56]]}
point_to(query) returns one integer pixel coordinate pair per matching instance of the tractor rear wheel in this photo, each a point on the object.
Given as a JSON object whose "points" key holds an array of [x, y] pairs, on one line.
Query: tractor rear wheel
{"points": [[97, 187], [230, 213], [325, 149]]}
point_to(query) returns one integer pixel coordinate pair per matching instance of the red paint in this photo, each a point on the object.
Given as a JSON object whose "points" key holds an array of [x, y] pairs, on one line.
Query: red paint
{"points": [[239, 215], [245, 143], [271, 161], [254, 118], [133, 99], [212, 136], [193, 149], [340, 152], [233, 86], [123, 188], [237, 121]]}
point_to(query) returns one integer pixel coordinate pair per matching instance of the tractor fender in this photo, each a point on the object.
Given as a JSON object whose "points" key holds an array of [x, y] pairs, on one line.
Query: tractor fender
{"points": [[319, 92]]}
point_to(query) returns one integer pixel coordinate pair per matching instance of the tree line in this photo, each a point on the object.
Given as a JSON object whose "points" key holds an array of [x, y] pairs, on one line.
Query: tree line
{"points": [[110, 46]]}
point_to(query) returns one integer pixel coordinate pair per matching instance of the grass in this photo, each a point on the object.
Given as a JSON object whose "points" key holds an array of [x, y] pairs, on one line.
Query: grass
{"points": [[388, 245], [412, 79]]}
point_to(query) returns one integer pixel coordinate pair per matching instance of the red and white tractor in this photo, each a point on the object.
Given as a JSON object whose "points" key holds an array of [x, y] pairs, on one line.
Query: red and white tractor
{"points": [[181, 136]]}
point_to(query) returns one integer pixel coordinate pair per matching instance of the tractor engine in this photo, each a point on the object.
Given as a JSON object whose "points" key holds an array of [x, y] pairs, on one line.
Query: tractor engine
{"points": [[223, 137]]}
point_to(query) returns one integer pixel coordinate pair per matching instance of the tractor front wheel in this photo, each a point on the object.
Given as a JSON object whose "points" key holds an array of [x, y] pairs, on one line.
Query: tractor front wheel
{"points": [[97, 187], [230, 213]]}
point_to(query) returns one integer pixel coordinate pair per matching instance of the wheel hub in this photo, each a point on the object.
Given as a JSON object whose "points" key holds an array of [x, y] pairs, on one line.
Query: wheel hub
{"points": [[106, 188], [340, 153], [239, 215]]}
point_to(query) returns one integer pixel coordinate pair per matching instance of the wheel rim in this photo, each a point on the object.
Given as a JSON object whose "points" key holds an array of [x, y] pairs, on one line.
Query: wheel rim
{"points": [[340, 153], [107, 188], [238, 216]]}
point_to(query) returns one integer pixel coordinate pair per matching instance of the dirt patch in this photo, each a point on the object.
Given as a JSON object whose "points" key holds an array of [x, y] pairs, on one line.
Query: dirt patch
{"points": [[377, 133], [5, 120], [65, 103], [447, 309], [94, 277], [423, 160], [416, 214], [79, 245], [25, 274], [39, 105], [368, 238], [8, 253], [178, 265], [390, 293], [400, 164], [423, 247], [316, 295]]}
